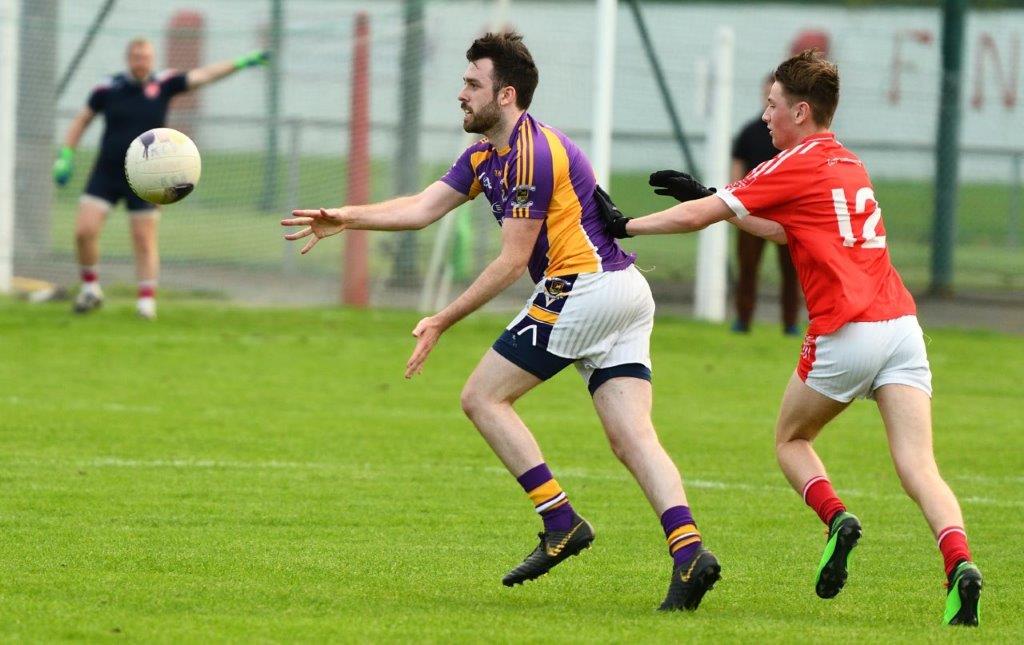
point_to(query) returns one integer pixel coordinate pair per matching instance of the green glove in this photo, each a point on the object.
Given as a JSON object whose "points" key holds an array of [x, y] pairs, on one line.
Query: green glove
{"points": [[252, 59], [64, 165]]}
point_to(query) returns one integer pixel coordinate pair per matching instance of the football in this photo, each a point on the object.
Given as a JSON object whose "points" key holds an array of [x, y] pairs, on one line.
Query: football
{"points": [[162, 166]]}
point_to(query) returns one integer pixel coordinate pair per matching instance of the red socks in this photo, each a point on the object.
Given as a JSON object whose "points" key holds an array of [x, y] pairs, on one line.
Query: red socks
{"points": [[147, 288], [819, 495], [953, 545]]}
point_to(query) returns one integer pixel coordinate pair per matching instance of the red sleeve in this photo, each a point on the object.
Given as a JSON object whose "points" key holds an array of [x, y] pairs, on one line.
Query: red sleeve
{"points": [[770, 185]]}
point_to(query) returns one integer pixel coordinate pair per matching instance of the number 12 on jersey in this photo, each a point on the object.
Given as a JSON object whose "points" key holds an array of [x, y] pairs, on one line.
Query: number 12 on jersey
{"points": [[868, 239]]}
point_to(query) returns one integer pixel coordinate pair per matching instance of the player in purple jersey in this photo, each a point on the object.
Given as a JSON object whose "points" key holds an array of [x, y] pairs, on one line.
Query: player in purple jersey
{"points": [[590, 308], [131, 102]]}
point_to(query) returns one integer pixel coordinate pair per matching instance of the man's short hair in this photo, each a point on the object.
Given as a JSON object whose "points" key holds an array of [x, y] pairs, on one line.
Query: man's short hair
{"points": [[137, 42], [513, 64], [808, 76]]}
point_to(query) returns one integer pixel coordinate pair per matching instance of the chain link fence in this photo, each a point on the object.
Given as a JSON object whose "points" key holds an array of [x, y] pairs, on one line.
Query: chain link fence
{"points": [[278, 138]]}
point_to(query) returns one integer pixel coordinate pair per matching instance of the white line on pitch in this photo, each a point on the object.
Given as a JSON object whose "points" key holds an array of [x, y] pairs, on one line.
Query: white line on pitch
{"points": [[574, 473]]}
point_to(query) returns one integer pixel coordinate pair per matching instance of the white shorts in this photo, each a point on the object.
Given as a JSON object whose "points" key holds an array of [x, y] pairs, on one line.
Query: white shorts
{"points": [[594, 320], [861, 357]]}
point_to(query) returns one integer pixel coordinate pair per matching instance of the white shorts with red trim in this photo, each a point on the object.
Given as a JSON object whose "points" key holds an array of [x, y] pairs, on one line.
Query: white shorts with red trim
{"points": [[861, 357]]}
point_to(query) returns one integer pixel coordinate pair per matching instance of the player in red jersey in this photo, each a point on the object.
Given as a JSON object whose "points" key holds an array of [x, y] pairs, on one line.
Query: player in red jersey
{"points": [[863, 340]]}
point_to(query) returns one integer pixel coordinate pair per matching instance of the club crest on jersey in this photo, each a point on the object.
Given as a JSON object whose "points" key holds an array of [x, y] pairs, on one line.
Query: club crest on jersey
{"points": [[152, 90], [521, 196], [556, 287], [808, 347]]}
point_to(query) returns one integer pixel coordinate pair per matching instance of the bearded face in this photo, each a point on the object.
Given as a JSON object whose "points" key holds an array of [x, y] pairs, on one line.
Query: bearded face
{"points": [[482, 119], [478, 99]]}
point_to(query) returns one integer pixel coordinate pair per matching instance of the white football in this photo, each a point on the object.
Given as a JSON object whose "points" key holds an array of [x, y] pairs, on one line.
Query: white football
{"points": [[162, 166]]}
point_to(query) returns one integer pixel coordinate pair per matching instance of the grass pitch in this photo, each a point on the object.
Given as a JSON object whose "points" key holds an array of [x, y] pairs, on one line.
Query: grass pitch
{"points": [[243, 474]]}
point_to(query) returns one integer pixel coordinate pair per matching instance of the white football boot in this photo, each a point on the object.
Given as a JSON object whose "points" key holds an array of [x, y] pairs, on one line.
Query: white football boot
{"points": [[90, 298], [146, 308]]}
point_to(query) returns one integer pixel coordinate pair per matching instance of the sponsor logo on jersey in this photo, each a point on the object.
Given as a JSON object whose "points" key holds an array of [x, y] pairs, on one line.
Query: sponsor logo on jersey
{"points": [[152, 90], [836, 160]]}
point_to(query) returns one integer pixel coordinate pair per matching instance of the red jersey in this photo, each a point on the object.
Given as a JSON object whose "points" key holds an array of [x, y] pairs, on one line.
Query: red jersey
{"points": [[821, 194]]}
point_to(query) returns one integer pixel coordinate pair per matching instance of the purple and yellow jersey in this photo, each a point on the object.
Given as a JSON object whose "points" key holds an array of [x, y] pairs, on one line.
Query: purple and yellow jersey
{"points": [[542, 174]]}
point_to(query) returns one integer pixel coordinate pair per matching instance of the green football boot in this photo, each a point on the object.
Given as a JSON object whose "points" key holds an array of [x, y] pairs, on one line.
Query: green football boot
{"points": [[842, 537], [963, 602]]}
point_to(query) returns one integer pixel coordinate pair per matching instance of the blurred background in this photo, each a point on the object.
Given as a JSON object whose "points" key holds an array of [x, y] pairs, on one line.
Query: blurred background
{"points": [[282, 137]]}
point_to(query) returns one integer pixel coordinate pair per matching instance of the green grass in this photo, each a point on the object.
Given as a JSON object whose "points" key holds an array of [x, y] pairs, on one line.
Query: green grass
{"points": [[223, 222], [249, 474]]}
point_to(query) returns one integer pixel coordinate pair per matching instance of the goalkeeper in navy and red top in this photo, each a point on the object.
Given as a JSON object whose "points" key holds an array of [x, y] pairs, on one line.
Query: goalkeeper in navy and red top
{"points": [[131, 102], [590, 308], [863, 340]]}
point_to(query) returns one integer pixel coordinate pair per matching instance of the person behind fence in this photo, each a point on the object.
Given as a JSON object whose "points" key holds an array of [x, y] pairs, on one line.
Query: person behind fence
{"points": [[863, 340], [752, 147], [131, 102], [590, 308]]}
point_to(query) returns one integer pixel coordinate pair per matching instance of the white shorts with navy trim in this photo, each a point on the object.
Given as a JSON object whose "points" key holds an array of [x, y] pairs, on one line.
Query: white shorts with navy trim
{"points": [[597, 320]]}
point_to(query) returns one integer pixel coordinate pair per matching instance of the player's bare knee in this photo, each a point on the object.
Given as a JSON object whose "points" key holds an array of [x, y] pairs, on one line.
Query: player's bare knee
{"points": [[911, 485], [785, 446], [145, 249], [621, 448], [474, 402], [780, 452], [917, 476], [143, 241], [630, 445], [469, 402], [783, 435], [85, 234]]}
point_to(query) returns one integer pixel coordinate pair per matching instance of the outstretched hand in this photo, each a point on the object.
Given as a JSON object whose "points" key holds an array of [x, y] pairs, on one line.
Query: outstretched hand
{"points": [[64, 166], [679, 185], [253, 59], [427, 332], [320, 223]]}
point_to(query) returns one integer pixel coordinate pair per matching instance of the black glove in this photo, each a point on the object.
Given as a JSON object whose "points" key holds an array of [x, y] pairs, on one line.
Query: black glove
{"points": [[679, 185], [614, 220]]}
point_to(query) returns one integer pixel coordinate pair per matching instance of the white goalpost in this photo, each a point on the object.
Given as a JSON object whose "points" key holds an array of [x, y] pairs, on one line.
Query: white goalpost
{"points": [[709, 300], [9, 23], [604, 83]]}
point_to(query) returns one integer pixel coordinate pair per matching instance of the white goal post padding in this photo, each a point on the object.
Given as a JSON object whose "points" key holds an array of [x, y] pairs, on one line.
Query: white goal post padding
{"points": [[709, 301], [9, 30]]}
